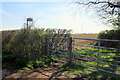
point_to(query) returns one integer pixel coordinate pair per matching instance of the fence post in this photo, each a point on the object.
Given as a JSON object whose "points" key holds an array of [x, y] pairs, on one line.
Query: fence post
{"points": [[69, 42], [98, 55]]}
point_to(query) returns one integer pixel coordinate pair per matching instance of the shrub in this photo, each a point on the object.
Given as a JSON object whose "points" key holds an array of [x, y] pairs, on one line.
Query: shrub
{"points": [[6, 37], [39, 62], [31, 43], [28, 45], [13, 61], [110, 34]]}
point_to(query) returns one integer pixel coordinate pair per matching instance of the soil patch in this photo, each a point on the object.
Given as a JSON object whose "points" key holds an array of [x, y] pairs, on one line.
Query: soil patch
{"points": [[53, 71]]}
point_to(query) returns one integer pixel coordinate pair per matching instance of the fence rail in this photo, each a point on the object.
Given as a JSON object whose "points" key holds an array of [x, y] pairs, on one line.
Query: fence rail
{"points": [[105, 61]]}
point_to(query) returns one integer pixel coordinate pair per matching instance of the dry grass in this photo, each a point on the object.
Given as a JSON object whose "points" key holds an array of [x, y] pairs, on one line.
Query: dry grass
{"points": [[91, 36], [84, 42]]}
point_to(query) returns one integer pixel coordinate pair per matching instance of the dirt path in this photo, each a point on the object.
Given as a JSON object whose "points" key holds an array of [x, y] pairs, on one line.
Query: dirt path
{"points": [[49, 72]]}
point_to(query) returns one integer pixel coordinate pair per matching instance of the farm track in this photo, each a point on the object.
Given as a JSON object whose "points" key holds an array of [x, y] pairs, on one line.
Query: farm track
{"points": [[49, 72]]}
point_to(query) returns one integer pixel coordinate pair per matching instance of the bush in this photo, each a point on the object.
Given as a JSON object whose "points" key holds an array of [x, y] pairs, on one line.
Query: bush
{"points": [[31, 43], [39, 62], [6, 37], [27, 45], [13, 61], [112, 35]]}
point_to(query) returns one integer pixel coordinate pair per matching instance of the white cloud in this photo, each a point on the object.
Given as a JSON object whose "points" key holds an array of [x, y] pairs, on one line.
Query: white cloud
{"points": [[3, 12], [69, 18], [76, 23]]}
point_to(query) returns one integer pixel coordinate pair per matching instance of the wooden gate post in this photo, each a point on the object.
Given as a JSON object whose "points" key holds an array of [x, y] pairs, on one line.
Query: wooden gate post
{"points": [[70, 56]]}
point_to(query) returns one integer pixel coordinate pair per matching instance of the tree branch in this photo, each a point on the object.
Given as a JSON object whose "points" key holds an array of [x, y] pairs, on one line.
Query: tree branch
{"points": [[109, 3], [101, 2]]}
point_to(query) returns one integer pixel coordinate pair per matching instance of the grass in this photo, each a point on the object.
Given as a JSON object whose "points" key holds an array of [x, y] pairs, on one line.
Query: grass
{"points": [[75, 68], [104, 54], [89, 74]]}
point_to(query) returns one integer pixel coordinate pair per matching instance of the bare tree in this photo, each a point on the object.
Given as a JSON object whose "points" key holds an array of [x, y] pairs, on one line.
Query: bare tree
{"points": [[106, 9]]}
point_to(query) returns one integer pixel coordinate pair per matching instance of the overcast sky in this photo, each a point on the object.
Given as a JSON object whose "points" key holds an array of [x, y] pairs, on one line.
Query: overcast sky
{"points": [[49, 14]]}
